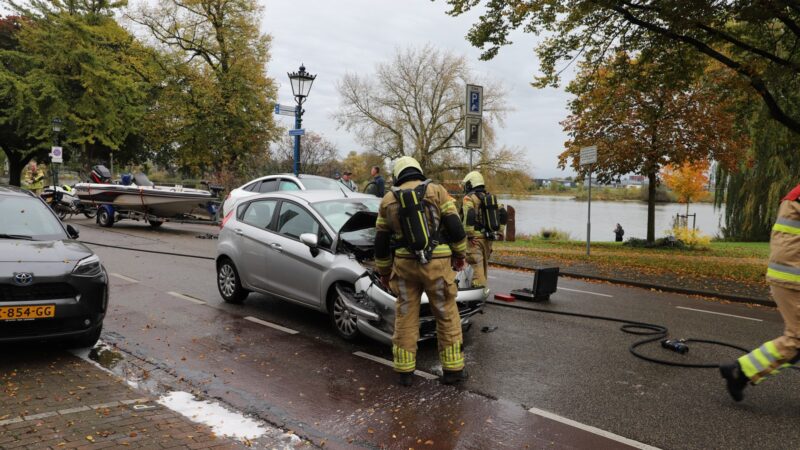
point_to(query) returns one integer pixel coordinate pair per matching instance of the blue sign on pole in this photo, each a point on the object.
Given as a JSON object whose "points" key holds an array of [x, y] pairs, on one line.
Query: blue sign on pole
{"points": [[297, 132], [474, 100]]}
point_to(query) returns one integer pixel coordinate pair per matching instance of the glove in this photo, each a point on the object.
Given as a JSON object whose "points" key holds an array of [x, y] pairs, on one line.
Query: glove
{"points": [[459, 263]]}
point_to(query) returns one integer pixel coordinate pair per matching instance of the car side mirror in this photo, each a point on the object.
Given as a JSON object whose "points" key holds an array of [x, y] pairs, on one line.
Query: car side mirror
{"points": [[311, 241], [72, 232]]}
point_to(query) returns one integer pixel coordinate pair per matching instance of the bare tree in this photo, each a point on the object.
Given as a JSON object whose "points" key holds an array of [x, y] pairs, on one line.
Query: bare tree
{"points": [[316, 156], [414, 105]]}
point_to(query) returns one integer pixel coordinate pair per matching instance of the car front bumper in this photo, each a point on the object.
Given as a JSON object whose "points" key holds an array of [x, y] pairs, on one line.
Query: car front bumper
{"points": [[375, 309]]}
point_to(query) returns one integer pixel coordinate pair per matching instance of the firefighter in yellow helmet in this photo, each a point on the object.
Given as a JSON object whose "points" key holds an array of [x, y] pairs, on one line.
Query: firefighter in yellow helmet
{"points": [[420, 220], [783, 276], [473, 214]]}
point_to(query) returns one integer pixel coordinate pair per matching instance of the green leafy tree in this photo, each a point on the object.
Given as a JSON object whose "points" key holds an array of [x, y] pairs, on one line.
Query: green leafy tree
{"points": [[71, 61], [756, 39], [215, 108]]}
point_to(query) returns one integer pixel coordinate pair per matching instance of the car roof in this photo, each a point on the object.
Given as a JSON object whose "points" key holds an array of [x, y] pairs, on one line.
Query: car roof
{"points": [[13, 191], [288, 175], [314, 196]]}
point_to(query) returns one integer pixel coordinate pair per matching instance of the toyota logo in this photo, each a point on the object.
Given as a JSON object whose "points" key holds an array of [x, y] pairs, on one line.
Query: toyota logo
{"points": [[23, 278]]}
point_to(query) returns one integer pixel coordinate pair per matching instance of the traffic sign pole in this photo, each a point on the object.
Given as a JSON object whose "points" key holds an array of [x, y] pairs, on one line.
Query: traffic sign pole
{"points": [[589, 157], [473, 126]]}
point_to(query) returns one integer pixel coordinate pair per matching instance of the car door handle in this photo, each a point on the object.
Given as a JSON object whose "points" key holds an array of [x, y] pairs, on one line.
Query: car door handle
{"points": [[276, 246], [238, 231]]}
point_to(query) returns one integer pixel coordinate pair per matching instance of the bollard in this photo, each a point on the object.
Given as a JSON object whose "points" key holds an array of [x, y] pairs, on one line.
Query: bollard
{"points": [[511, 229]]}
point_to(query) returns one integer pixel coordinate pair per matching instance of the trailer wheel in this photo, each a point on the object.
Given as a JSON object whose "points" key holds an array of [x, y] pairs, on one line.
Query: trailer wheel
{"points": [[155, 223], [105, 217]]}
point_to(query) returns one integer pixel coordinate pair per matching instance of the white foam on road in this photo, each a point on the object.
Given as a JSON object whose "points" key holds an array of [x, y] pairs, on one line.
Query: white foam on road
{"points": [[719, 313], [591, 429], [221, 420]]}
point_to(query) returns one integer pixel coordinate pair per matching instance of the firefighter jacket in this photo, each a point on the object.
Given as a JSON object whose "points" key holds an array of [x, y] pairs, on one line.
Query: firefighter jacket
{"points": [[471, 213], [450, 232], [34, 179], [784, 258]]}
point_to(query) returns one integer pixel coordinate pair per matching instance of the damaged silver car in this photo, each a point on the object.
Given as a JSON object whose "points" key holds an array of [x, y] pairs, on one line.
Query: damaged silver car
{"points": [[316, 248]]}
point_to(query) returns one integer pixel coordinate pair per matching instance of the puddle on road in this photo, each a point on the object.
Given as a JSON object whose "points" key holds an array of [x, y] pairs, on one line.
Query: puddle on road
{"points": [[106, 356]]}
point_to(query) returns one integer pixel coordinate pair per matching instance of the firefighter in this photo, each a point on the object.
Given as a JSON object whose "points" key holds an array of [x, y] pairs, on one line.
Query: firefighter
{"points": [[783, 276], [479, 248], [33, 178], [410, 271]]}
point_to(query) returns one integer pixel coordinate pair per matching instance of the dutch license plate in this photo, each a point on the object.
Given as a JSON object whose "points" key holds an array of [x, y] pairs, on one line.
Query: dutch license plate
{"points": [[27, 312]]}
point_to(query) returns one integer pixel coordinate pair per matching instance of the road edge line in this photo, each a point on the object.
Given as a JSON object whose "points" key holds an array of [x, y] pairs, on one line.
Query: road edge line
{"points": [[719, 313], [591, 429], [271, 325], [123, 277]]}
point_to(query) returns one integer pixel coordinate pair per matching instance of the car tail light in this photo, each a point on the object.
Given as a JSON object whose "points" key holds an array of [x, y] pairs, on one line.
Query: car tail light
{"points": [[228, 216]]}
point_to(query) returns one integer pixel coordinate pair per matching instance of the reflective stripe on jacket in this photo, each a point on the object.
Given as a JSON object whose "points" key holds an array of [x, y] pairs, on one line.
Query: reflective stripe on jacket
{"points": [[784, 259]]}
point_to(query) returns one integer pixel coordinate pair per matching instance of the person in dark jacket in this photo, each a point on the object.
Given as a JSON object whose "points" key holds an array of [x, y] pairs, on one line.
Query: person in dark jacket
{"points": [[619, 232], [377, 186]]}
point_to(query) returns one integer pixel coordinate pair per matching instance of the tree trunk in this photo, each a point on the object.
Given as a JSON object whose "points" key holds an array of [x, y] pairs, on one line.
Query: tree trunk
{"points": [[651, 207], [15, 166]]}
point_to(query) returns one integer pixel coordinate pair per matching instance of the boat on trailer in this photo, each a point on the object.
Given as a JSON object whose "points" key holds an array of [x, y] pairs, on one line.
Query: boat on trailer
{"points": [[138, 198]]}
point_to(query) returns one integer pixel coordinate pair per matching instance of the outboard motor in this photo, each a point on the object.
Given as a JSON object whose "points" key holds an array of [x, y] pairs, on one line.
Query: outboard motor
{"points": [[100, 174]]}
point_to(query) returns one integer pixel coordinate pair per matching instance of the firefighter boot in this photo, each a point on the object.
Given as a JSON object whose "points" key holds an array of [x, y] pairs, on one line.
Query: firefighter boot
{"points": [[735, 378], [454, 376], [405, 379]]}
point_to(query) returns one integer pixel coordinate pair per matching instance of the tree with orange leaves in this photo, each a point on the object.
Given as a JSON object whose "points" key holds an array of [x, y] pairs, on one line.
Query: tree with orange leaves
{"points": [[646, 112], [688, 181]]}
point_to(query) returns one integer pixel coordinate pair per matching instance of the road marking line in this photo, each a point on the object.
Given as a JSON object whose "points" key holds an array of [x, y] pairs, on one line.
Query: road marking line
{"points": [[591, 429], [64, 412], [123, 277], [386, 362], [186, 297], [584, 292], [492, 277], [719, 313], [271, 325]]}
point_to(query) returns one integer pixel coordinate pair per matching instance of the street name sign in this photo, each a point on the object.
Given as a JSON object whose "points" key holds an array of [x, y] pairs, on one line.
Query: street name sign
{"points": [[56, 155], [297, 132], [474, 100], [284, 110], [588, 155]]}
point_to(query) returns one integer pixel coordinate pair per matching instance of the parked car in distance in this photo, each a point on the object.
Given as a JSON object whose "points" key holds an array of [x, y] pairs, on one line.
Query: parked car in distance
{"points": [[280, 182], [316, 249], [51, 286]]}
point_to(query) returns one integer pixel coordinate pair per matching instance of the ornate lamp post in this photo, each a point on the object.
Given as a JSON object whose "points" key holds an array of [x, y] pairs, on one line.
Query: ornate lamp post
{"points": [[301, 86]]}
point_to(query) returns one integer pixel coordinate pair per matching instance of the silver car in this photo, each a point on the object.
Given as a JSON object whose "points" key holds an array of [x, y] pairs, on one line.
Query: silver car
{"points": [[315, 248]]}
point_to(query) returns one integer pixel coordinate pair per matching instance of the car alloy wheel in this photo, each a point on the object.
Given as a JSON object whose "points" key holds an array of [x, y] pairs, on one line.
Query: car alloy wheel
{"points": [[228, 283], [343, 319]]}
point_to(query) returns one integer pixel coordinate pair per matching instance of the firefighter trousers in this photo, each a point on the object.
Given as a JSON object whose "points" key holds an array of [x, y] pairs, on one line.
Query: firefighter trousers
{"points": [[478, 252], [782, 352], [408, 281]]}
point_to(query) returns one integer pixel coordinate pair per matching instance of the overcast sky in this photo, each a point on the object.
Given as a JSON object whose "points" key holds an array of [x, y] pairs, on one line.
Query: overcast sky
{"points": [[333, 37]]}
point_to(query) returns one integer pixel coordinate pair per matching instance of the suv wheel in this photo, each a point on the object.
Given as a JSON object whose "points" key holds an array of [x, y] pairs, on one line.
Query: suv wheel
{"points": [[342, 320], [228, 282]]}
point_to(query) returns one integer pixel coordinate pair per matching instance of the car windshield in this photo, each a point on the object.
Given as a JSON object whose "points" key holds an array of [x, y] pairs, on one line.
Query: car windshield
{"points": [[324, 184], [337, 212], [28, 218]]}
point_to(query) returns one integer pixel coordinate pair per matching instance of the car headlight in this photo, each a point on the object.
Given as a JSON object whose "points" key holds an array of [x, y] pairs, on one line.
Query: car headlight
{"points": [[88, 267]]}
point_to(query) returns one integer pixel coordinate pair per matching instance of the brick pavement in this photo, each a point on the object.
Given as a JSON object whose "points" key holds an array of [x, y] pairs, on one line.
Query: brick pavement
{"points": [[54, 400]]}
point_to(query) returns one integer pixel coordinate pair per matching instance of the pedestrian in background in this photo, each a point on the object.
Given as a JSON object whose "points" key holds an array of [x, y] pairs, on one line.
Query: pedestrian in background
{"points": [[377, 186], [783, 276], [619, 232], [410, 272], [33, 178], [347, 181]]}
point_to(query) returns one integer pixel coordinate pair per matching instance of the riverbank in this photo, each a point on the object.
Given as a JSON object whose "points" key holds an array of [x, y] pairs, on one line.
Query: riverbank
{"points": [[617, 194], [732, 270]]}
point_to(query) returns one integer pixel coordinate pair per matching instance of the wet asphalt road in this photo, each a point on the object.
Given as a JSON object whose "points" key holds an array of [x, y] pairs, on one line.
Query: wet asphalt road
{"points": [[577, 368]]}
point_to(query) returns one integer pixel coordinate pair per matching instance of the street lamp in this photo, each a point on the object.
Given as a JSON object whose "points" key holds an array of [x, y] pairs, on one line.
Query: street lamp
{"points": [[55, 157], [301, 86]]}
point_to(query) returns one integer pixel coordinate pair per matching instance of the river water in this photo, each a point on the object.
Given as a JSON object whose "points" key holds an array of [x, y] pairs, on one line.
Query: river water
{"points": [[567, 214]]}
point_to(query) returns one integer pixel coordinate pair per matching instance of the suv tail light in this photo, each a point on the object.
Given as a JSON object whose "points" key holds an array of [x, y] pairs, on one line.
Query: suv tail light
{"points": [[228, 216]]}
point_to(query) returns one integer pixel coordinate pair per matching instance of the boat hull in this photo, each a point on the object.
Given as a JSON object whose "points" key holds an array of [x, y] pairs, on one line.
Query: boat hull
{"points": [[158, 201]]}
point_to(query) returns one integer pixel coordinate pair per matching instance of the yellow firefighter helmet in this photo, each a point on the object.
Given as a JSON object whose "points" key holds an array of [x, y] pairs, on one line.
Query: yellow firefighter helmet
{"points": [[403, 163], [473, 180]]}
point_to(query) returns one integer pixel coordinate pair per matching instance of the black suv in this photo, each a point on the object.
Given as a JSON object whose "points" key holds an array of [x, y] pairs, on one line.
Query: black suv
{"points": [[51, 286]]}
